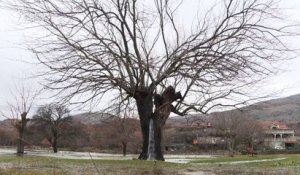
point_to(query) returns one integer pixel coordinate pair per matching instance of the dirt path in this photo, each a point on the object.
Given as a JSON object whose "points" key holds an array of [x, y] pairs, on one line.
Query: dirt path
{"points": [[199, 173], [242, 161]]}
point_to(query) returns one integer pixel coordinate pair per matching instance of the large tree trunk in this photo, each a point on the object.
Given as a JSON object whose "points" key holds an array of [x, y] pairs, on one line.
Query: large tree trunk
{"points": [[54, 141], [158, 126], [145, 107], [20, 144], [21, 129], [124, 147], [54, 146], [162, 111]]}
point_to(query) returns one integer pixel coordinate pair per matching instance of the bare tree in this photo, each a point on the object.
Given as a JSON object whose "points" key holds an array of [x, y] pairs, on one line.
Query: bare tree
{"points": [[126, 128], [251, 133], [19, 108], [54, 117], [237, 128], [121, 133], [138, 51]]}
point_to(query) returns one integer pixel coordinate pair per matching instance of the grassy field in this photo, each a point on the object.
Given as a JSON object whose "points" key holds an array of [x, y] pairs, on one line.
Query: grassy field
{"points": [[34, 165], [247, 165], [267, 160]]}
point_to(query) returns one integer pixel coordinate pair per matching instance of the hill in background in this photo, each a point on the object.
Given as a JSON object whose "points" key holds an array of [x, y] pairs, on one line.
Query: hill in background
{"points": [[92, 118], [106, 132], [283, 109]]}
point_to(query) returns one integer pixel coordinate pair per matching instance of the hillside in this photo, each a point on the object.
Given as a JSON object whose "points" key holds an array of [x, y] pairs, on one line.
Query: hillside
{"points": [[286, 109], [188, 120], [7, 125], [283, 109], [92, 118], [103, 131]]}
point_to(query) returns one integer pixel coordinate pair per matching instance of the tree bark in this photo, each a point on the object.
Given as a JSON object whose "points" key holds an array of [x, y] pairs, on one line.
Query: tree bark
{"points": [[54, 141], [124, 148], [145, 107], [54, 145], [158, 126], [21, 129], [163, 107], [20, 144], [158, 154]]}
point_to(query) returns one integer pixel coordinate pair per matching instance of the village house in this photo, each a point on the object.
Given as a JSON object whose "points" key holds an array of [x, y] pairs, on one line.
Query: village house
{"points": [[207, 136], [278, 135], [204, 135]]}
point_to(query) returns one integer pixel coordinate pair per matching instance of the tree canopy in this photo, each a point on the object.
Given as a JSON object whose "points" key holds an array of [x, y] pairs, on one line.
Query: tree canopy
{"points": [[125, 47], [55, 119]]}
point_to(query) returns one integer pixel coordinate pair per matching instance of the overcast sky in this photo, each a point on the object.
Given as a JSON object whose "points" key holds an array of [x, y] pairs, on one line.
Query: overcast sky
{"points": [[14, 69]]}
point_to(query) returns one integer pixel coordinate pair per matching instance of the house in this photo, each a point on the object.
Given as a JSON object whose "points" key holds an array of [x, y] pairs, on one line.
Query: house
{"points": [[278, 135], [208, 140], [206, 136]]}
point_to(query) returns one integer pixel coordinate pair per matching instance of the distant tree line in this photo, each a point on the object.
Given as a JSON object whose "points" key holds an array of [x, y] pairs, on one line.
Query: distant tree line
{"points": [[53, 126]]}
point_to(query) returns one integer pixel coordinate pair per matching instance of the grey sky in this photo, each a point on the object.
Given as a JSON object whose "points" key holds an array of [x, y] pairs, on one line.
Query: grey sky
{"points": [[13, 55]]}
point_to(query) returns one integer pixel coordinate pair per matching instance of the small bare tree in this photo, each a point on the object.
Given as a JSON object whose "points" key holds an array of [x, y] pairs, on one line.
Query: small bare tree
{"points": [[18, 113], [140, 51], [126, 129], [237, 128], [251, 133], [54, 117]]}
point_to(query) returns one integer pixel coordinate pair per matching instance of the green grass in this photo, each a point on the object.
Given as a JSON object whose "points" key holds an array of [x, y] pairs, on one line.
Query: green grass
{"points": [[46, 165], [221, 165], [289, 160], [35, 165]]}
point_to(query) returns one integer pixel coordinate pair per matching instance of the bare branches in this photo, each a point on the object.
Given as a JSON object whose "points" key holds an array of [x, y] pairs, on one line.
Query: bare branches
{"points": [[54, 118], [237, 128], [51, 113], [93, 48], [19, 108], [22, 99]]}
